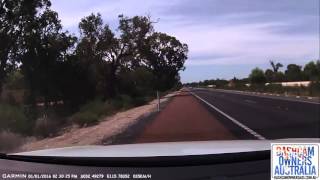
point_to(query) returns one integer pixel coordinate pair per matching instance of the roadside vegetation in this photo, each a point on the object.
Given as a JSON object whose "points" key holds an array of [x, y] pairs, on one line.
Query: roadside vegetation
{"points": [[272, 80], [50, 78]]}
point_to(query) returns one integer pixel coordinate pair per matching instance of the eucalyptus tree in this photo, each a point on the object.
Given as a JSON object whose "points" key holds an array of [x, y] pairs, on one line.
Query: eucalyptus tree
{"points": [[165, 56], [99, 45]]}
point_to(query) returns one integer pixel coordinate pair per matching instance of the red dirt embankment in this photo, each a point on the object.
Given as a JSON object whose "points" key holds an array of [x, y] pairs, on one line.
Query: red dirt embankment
{"points": [[184, 119]]}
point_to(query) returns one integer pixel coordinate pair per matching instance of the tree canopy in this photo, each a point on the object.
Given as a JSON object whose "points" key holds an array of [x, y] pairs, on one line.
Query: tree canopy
{"points": [[257, 76], [101, 62]]}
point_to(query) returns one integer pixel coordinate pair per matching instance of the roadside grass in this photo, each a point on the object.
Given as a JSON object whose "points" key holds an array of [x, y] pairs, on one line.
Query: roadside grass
{"points": [[47, 126], [92, 112], [9, 141], [18, 123], [13, 118]]}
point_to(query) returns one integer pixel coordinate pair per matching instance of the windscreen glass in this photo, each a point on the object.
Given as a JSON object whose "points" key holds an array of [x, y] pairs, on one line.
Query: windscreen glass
{"points": [[92, 72]]}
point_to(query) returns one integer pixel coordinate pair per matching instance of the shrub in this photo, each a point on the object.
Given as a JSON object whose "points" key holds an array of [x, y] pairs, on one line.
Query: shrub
{"points": [[13, 118], [96, 106], [91, 112], [257, 76], [15, 80], [138, 101], [123, 101], [314, 88], [46, 126], [10, 99], [85, 118], [274, 88], [9, 141]]}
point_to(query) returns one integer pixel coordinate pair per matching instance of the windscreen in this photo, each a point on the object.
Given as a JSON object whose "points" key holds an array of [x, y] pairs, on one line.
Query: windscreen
{"points": [[90, 72]]}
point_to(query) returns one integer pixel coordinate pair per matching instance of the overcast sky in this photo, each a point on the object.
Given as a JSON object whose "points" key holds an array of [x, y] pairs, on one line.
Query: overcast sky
{"points": [[226, 38]]}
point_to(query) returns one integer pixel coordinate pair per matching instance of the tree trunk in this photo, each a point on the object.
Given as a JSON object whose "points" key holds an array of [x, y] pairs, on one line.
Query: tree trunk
{"points": [[1, 82], [111, 83]]}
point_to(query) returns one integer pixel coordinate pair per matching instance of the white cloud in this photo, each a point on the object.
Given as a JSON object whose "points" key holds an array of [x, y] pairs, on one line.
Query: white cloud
{"points": [[245, 44], [215, 40], [71, 11]]}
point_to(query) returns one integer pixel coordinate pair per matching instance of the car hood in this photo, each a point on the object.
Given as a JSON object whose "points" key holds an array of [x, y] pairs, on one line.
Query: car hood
{"points": [[165, 148]]}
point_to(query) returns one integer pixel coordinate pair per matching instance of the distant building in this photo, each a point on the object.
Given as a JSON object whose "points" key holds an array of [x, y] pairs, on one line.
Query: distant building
{"points": [[292, 84], [211, 86]]}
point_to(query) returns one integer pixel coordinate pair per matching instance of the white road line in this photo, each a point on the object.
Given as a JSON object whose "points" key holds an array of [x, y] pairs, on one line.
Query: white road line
{"points": [[252, 132]]}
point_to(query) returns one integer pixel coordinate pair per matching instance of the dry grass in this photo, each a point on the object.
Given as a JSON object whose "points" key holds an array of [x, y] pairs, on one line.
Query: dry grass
{"points": [[108, 126], [10, 141], [46, 126]]}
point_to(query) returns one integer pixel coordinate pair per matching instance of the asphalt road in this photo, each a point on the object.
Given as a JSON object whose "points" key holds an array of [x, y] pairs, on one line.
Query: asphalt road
{"points": [[262, 117]]}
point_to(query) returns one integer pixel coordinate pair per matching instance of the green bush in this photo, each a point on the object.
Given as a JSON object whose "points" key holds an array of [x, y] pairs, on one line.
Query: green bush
{"points": [[85, 118], [13, 118], [314, 89], [9, 141], [96, 106], [274, 88], [15, 80], [46, 126], [123, 101], [9, 99], [138, 101], [89, 113], [92, 112], [115, 103]]}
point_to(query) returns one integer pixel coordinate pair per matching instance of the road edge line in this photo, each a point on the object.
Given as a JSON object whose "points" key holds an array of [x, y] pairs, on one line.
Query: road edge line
{"points": [[252, 132]]}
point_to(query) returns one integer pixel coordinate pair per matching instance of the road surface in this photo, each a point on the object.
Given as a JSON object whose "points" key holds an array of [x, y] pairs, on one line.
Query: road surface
{"points": [[203, 114], [271, 117]]}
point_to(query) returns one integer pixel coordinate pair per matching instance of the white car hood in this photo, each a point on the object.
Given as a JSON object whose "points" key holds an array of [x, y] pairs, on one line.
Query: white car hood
{"points": [[164, 148]]}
